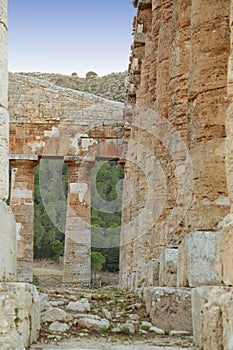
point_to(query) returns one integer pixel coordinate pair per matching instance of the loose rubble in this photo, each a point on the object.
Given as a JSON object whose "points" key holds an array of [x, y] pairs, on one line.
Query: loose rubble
{"points": [[111, 314]]}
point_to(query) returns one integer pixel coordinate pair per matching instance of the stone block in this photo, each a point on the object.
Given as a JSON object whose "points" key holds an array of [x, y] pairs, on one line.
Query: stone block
{"points": [[8, 266], [224, 251], [196, 260], [4, 163], [168, 268], [169, 308], [3, 65], [20, 315], [153, 273], [199, 298], [212, 309]]}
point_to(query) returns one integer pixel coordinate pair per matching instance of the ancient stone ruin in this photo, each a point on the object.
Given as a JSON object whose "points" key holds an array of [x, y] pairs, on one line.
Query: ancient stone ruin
{"points": [[174, 140], [177, 228]]}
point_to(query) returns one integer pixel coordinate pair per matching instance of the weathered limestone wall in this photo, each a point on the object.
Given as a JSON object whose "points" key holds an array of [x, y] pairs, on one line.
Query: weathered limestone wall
{"points": [[4, 118], [19, 303], [7, 227], [22, 205], [181, 73], [178, 75]]}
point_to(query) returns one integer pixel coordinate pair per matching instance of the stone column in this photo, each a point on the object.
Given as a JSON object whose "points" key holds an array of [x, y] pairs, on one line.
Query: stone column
{"points": [[77, 261], [22, 205], [7, 222]]}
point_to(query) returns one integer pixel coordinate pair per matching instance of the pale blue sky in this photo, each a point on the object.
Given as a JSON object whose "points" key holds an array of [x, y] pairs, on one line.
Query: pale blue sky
{"points": [[70, 36]]}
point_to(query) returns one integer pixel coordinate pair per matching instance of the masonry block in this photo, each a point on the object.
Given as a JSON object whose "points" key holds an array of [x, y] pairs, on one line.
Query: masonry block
{"points": [[169, 308], [19, 315], [196, 260], [153, 273], [212, 313], [168, 268]]}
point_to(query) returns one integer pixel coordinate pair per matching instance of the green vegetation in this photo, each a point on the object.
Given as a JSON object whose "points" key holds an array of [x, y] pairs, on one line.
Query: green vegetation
{"points": [[50, 209], [97, 262], [91, 75], [135, 3], [51, 179], [106, 213]]}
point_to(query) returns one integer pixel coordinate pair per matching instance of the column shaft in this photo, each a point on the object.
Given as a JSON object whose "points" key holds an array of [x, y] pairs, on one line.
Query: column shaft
{"points": [[77, 261], [22, 204]]}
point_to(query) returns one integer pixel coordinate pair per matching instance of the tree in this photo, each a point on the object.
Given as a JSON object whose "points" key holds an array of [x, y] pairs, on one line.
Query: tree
{"points": [[57, 249], [97, 262], [135, 3], [91, 75], [74, 74]]}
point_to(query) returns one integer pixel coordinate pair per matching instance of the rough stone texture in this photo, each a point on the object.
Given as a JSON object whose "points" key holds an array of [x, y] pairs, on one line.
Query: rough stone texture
{"points": [[168, 268], [75, 126], [8, 247], [81, 306], [94, 324], [77, 259], [54, 314], [4, 118], [22, 205], [59, 327], [212, 317], [20, 315], [177, 76], [224, 251], [153, 273], [196, 260], [169, 308]]}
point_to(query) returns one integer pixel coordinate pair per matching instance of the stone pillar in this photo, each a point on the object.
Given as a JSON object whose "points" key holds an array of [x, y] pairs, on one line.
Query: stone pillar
{"points": [[4, 117], [77, 261], [7, 222], [22, 204]]}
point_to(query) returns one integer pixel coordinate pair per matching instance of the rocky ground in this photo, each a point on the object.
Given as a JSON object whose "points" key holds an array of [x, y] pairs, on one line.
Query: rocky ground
{"points": [[100, 319]]}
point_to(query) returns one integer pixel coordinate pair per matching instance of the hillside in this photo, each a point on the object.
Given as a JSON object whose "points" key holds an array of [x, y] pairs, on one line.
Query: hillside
{"points": [[111, 86]]}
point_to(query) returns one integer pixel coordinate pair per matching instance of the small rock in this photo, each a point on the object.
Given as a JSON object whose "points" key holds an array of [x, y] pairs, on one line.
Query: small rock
{"points": [[157, 330], [129, 326], [95, 297], [92, 324], [134, 306], [107, 314], [134, 317], [94, 317], [56, 303], [145, 325], [179, 333], [142, 331], [116, 330], [53, 315], [59, 327], [81, 306]]}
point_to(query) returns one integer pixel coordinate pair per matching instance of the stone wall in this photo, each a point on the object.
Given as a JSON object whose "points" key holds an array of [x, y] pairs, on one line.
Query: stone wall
{"points": [[179, 163], [176, 156], [19, 303]]}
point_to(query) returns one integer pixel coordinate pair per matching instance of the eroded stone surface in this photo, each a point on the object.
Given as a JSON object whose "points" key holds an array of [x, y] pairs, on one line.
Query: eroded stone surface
{"points": [[169, 308], [196, 260], [168, 268], [8, 247], [20, 315], [212, 317]]}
